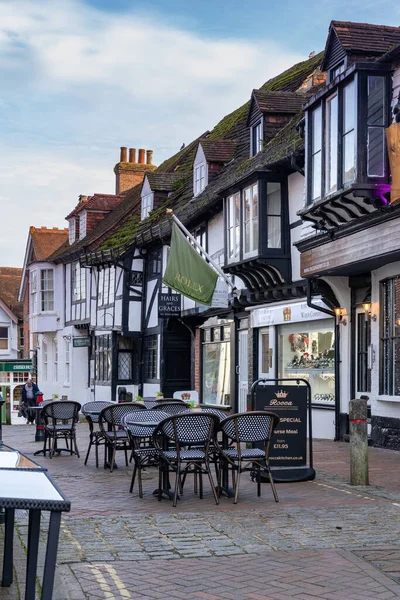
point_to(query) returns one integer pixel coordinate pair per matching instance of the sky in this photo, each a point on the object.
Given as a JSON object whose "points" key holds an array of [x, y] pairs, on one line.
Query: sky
{"points": [[80, 78]]}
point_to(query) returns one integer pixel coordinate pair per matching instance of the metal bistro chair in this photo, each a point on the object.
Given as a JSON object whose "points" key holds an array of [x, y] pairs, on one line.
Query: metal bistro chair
{"points": [[242, 428], [173, 439], [172, 407], [140, 435], [60, 418], [110, 423], [92, 411]]}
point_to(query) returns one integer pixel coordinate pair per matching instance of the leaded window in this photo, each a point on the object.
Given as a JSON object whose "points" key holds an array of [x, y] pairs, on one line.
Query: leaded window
{"points": [[390, 337], [78, 283], [103, 355], [363, 345], [150, 358]]}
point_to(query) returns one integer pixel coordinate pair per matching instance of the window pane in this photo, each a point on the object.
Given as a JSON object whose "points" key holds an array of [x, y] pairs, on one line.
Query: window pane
{"points": [[265, 356], [316, 129], [348, 157], [247, 214], [348, 107], [376, 100], [274, 232], [331, 144], [376, 151], [316, 176], [274, 199]]}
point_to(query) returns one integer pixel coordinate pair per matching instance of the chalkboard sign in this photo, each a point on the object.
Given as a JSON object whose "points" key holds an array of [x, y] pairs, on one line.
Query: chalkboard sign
{"points": [[169, 305], [288, 446]]}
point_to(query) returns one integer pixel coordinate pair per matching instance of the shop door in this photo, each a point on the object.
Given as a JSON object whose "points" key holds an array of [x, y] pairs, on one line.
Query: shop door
{"points": [[243, 370], [177, 349]]}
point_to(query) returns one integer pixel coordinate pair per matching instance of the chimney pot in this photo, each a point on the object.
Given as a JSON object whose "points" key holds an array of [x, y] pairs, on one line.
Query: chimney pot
{"points": [[132, 155], [149, 157], [141, 156], [123, 154], [82, 198]]}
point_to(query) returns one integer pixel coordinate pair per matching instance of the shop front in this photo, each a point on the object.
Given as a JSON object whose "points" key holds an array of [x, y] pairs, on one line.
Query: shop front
{"points": [[13, 375], [296, 341], [216, 362]]}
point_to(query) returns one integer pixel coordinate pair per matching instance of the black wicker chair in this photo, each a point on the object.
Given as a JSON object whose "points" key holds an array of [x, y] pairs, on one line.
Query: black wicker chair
{"points": [[183, 443], [92, 411], [244, 428], [143, 451], [60, 418], [115, 436]]}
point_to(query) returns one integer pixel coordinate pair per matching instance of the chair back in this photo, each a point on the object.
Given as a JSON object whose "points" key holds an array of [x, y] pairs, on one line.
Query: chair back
{"points": [[94, 407], [172, 407], [188, 429], [254, 426], [112, 415], [214, 411], [131, 420], [61, 410]]}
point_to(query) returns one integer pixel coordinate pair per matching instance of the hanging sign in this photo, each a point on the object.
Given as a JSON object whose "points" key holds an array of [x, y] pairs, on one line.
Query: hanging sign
{"points": [[16, 367], [169, 305], [81, 342], [288, 447]]}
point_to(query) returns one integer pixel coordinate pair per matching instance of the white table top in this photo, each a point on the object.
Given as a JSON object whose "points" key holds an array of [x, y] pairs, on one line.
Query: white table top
{"points": [[28, 486]]}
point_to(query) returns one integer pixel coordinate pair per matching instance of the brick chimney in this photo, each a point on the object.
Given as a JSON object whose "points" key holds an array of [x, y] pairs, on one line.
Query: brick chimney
{"points": [[129, 174]]}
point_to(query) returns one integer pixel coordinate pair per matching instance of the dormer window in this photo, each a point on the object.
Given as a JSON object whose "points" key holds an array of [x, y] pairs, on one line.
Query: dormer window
{"points": [[340, 68], [71, 231], [82, 224], [256, 138], [147, 205], [199, 178]]}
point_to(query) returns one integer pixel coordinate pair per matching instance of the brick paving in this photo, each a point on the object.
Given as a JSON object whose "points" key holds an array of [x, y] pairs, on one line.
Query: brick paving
{"points": [[324, 539]]}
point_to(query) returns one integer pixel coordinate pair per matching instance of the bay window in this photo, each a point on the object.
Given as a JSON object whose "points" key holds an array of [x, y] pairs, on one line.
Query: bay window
{"points": [[274, 215], [345, 136], [33, 291]]}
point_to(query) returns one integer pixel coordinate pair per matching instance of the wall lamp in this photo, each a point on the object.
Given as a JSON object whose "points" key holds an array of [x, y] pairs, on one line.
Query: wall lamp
{"points": [[341, 315], [367, 309]]}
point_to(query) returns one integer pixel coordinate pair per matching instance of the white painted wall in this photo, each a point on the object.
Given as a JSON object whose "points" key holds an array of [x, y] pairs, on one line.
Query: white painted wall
{"points": [[12, 351]]}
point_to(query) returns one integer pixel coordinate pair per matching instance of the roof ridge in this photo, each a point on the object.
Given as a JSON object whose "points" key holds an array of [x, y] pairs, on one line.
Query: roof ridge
{"points": [[362, 24]]}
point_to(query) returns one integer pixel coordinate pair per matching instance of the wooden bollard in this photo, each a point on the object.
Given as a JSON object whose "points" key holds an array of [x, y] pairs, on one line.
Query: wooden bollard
{"points": [[358, 442]]}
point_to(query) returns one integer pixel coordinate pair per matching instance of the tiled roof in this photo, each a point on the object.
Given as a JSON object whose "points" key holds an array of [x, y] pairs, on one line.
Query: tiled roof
{"points": [[162, 182], [122, 228], [220, 151], [365, 38], [278, 102], [100, 202], [10, 279], [46, 241]]}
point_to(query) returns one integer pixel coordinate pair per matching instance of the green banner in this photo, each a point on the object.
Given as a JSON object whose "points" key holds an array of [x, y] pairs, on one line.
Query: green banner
{"points": [[24, 367], [187, 272]]}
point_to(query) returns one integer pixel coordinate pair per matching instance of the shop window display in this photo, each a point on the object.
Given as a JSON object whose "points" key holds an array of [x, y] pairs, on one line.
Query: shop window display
{"points": [[309, 353]]}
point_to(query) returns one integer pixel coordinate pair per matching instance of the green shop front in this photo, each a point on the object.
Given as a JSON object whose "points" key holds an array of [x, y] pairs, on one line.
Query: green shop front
{"points": [[13, 375]]}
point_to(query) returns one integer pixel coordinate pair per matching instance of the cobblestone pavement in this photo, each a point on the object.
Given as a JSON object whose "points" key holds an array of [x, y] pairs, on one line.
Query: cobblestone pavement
{"points": [[324, 539]]}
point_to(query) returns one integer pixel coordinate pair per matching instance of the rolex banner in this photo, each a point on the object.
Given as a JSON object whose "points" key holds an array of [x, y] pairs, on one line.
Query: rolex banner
{"points": [[187, 272]]}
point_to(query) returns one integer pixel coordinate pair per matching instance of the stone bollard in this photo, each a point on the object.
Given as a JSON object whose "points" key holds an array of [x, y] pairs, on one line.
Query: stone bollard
{"points": [[358, 442]]}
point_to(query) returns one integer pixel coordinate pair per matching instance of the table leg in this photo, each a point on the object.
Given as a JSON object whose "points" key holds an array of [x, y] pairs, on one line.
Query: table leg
{"points": [[225, 487], [51, 555], [32, 559], [8, 547]]}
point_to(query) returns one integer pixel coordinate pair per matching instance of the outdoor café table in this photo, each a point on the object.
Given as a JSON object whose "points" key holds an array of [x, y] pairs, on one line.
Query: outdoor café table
{"points": [[147, 428], [25, 485]]}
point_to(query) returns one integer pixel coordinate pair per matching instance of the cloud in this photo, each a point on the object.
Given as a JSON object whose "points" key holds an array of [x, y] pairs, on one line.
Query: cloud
{"points": [[82, 82]]}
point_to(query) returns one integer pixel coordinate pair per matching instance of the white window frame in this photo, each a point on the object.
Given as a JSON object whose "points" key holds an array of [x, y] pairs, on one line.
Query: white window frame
{"points": [[257, 137], [67, 369], [82, 224], [72, 230], [5, 350], [55, 360], [78, 283], [45, 357], [47, 291], [100, 288], [253, 242], [147, 205], [33, 291], [199, 178], [233, 229]]}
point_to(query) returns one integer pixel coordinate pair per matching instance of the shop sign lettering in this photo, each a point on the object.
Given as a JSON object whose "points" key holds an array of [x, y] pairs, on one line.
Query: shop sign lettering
{"points": [[288, 446], [169, 305]]}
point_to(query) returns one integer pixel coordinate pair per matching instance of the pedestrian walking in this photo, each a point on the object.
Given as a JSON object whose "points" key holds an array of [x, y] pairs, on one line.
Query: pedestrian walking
{"points": [[29, 399]]}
